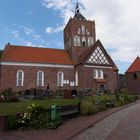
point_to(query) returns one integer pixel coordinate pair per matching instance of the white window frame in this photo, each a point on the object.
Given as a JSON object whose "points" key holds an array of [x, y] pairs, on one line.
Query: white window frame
{"points": [[83, 29], [76, 78], [100, 74], [60, 79], [76, 40], [40, 80], [18, 83], [95, 73]]}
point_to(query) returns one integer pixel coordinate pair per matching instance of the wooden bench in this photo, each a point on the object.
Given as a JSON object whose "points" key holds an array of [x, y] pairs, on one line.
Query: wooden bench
{"points": [[69, 111]]}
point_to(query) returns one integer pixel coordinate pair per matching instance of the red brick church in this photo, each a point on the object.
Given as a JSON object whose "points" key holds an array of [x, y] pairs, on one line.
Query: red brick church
{"points": [[83, 64]]}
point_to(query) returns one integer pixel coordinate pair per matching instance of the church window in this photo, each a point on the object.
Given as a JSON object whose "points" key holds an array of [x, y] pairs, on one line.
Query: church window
{"points": [[76, 78], [20, 78], [60, 79], [76, 40], [100, 74], [95, 73], [40, 78], [83, 29]]}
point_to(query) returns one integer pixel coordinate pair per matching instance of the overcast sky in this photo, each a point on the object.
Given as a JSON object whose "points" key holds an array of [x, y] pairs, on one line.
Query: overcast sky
{"points": [[41, 23]]}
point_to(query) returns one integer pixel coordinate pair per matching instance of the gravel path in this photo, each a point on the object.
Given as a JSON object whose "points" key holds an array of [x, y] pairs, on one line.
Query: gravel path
{"points": [[121, 125]]}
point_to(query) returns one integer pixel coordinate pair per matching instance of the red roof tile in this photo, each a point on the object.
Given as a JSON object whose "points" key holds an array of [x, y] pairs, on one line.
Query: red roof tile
{"points": [[135, 66], [35, 55]]}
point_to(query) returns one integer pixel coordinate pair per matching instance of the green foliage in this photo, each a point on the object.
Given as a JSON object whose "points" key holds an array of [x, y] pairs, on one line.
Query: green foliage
{"points": [[37, 117], [8, 95], [87, 107], [12, 122], [124, 98], [93, 104], [54, 124]]}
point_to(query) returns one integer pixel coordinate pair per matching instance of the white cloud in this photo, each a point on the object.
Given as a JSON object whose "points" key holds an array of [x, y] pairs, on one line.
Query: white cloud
{"points": [[54, 30], [27, 36], [65, 9], [117, 23]]}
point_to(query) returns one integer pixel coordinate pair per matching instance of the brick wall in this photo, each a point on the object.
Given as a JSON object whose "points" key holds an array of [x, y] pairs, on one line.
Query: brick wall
{"points": [[8, 77], [132, 84]]}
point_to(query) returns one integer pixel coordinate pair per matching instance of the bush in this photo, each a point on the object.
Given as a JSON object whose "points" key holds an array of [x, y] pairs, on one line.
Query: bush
{"points": [[87, 107], [37, 117], [123, 98], [94, 104], [8, 96], [12, 122]]}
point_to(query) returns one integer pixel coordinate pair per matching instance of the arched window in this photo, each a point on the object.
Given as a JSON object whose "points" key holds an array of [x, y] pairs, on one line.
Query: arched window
{"points": [[83, 29], [76, 40], [90, 41], [95, 73], [83, 41], [20, 78], [76, 78], [100, 74], [40, 78], [60, 78]]}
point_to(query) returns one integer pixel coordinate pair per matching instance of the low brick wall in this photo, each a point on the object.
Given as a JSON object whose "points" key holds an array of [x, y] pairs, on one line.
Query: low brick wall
{"points": [[3, 120]]}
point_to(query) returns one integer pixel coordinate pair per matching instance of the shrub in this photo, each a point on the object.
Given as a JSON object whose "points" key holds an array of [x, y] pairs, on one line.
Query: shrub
{"points": [[123, 98], [8, 95], [37, 117], [12, 122], [87, 107]]}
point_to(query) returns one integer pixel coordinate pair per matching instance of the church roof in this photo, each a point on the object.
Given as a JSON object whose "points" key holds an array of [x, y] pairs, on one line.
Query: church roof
{"points": [[135, 66], [26, 54], [89, 51]]}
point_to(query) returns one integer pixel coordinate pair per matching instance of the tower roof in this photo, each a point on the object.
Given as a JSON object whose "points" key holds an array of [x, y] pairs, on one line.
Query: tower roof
{"points": [[78, 15], [135, 66]]}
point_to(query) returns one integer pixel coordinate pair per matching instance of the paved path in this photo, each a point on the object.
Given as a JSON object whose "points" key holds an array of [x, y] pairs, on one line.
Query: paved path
{"points": [[122, 125], [77, 125]]}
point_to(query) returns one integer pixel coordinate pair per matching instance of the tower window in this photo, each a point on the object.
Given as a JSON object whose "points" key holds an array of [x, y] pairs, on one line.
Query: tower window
{"points": [[83, 41], [135, 76], [83, 29], [90, 41], [76, 40]]}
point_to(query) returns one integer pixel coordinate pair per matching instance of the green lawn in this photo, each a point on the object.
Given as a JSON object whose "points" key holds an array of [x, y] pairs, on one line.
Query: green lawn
{"points": [[10, 108]]}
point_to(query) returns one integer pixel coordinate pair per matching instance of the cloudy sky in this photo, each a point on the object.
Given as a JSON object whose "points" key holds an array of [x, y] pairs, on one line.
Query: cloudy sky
{"points": [[41, 22]]}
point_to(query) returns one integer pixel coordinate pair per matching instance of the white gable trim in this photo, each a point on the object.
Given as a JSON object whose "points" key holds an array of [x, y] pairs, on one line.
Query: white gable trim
{"points": [[36, 65], [101, 67]]}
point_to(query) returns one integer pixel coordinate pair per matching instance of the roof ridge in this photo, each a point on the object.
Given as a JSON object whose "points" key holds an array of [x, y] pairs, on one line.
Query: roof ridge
{"points": [[34, 47]]}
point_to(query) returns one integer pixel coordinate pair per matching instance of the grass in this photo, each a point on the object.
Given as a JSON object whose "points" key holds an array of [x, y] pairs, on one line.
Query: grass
{"points": [[11, 108]]}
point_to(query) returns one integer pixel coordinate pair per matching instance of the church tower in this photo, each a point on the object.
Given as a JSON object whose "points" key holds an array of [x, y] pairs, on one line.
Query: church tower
{"points": [[79, 34]]}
